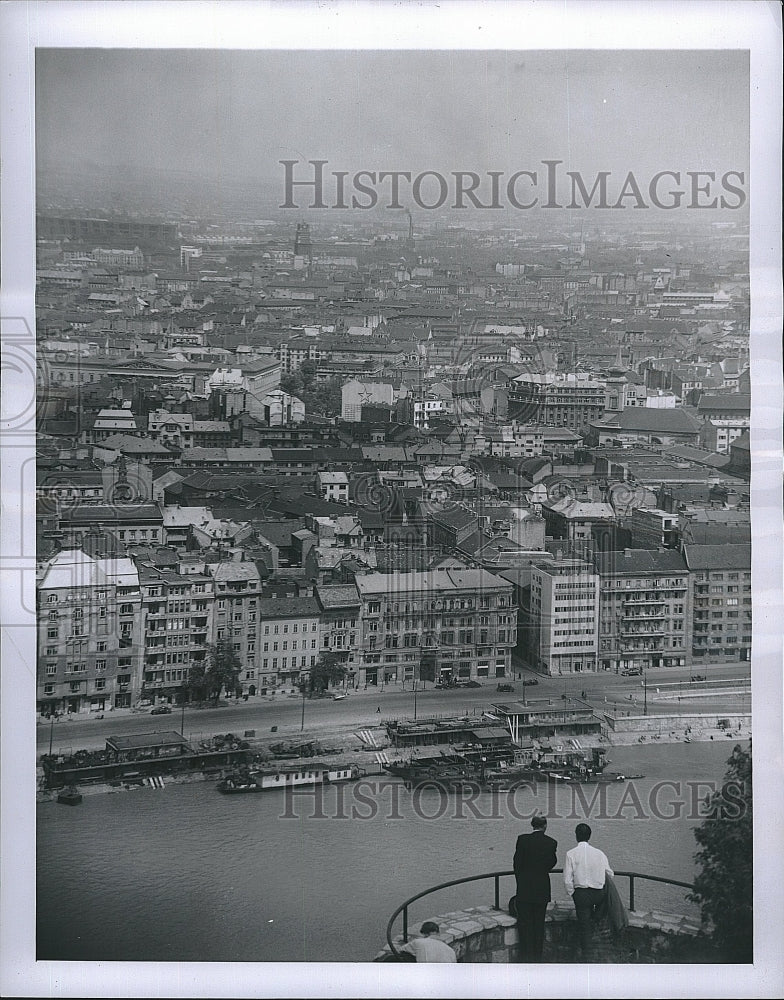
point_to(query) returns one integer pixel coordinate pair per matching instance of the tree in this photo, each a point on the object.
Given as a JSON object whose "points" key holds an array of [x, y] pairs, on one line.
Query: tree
{"points": [[724, 886], [307, 372], [329, 669], [197, 681], [223, 671]]}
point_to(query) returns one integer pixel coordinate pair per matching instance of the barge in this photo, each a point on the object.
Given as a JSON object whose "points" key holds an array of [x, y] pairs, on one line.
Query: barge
{"points": [[503, 770], [242, 781]]}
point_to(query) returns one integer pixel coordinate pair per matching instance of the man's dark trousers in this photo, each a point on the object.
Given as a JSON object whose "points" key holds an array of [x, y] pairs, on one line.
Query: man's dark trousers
{"points": [[530, 929], [535, 858], [589, 905]]}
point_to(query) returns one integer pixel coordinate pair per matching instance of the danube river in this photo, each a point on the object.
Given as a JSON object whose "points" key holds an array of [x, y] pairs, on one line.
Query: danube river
{"points": [[186, 874]]}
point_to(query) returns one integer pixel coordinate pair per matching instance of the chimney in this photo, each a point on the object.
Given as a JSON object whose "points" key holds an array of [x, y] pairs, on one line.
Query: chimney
{"points": [[627, 553]]}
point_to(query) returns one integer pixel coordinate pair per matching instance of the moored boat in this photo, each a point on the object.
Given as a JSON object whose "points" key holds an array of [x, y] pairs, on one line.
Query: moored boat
{"points": [[262, 780], [453, 771], [70, 796]]}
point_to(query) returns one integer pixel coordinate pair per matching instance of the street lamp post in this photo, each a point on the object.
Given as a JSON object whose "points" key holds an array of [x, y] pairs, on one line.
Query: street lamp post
{"points": [[302, 721], [645, 693], [51, 732], [182, 718]]}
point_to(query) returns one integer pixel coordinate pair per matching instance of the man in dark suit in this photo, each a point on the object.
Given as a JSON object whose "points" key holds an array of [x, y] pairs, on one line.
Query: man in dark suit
{"points": [[534, 859]]}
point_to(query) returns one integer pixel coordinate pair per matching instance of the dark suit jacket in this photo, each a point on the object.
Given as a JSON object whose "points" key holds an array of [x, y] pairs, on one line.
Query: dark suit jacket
{"points": [[534, 859]]}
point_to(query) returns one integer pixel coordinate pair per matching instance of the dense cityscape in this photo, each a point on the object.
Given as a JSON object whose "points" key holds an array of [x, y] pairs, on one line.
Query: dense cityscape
{"points": [[276, 454], [392, 512]]}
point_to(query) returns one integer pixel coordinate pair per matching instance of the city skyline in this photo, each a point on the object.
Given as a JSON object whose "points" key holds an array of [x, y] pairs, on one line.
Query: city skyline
{"points": [[417, 456], [234, 116]]}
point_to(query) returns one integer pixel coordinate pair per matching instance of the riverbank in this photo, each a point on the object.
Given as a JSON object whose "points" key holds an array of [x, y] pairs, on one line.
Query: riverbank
{"points": [[369, 748], [256, 873]]}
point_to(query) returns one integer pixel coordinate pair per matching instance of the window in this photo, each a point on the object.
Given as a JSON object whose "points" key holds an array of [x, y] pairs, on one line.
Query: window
{"points": [[100, 664], [51, 633]]}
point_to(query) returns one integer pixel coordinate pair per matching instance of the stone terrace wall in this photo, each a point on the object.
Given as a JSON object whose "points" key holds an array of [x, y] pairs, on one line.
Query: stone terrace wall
{"points": [[484, 934], [665, 723]]}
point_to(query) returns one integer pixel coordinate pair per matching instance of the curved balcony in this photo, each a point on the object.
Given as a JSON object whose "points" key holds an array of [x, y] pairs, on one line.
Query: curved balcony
{"points": [[489, 934]]}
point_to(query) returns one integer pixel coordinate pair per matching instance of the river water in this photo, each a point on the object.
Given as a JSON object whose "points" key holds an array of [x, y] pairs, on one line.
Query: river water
{"points": [[187, 874]]}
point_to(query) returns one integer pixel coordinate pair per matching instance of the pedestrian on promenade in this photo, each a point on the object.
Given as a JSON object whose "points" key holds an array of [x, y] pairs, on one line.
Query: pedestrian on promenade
{"points": [[534, 859], [429, 949], [378, 710], [585, 872]]}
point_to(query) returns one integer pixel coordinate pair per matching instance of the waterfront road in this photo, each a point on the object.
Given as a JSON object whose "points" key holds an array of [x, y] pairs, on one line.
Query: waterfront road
{"points": [[323, 716]]}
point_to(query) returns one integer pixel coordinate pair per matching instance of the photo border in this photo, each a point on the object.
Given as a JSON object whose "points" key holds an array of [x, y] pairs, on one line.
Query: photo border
{"points": [[445, 25]]}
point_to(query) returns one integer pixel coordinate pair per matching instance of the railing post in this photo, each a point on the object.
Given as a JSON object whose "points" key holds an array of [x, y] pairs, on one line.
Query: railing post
{"points": [[631, 893], [497, 893], [405, 925]]}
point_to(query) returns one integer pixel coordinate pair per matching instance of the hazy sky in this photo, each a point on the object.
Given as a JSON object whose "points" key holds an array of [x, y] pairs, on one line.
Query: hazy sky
{"points": [[235, 114]]}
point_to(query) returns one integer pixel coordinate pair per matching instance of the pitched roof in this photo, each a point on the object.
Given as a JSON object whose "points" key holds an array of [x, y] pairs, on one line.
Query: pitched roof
{"points": [[718, 557], [337, 596], [434, 581], [229, 570], [288, 607], [725, 401], [576, 509], [629, 561], [646, 418]]}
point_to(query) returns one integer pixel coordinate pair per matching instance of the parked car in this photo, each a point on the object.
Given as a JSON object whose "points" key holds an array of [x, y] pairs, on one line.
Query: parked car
{"points": [[698, 677], [472, 684], [631, 672], [505, 687], [161, 710], [530, 680]]}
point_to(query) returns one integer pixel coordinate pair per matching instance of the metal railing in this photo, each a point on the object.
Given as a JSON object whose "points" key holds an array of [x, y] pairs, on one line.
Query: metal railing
{"points": [[497, 876]]}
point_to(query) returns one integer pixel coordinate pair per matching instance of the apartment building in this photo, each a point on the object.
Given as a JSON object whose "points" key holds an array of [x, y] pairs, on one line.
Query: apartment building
{"points": [[559, 400], [645, 609], [289, 634], [458, 623], [722, 601], [340, 607], [178, 629], [90, 638], [562, 618], [575, 520], [718, 434], [237, 615], [129, 523]]}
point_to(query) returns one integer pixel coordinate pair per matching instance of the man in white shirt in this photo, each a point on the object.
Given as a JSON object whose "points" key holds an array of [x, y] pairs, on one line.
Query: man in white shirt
{"points": [[584, 874], [430, 949]]}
